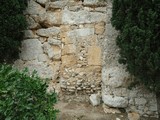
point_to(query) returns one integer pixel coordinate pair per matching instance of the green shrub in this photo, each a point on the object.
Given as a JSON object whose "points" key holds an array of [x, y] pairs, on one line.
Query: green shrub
{"points": [[24, 97], [138, 22], [12, 22]]}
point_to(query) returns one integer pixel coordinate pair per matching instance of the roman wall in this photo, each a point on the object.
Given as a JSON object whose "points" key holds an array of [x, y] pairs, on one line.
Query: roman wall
{"points": [[72, 43]]}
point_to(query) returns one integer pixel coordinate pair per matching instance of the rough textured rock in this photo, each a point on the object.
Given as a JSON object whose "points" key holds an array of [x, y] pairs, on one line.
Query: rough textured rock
{"points": [[114, 101], [133, 116], [34, 8], [56, 5], [52, 31], [115, 77], [31, 49], [82, 17], [68, 60], [42, 2], [94, 55], [95, 99], [51, 19], [43, 70], [81, 32], [29, 34]]}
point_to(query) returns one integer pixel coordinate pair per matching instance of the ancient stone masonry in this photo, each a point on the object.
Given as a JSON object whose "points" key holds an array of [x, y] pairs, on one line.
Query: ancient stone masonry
{"points": [[62, 43], [73, 44]]}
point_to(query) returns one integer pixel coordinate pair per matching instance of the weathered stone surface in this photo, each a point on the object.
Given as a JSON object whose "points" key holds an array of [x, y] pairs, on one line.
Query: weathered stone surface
{"points": [[69, 49], [53, 41], [51, 19], [68, 60], [90, 2], [56, 5], [81, 32], [19, 64], [34, 8], [95, 99], [53, 31], [114, 101], [46, 47], [65, 28], [80, 17], [32, 24], [69, 40], [140, 101], [29, 34], [30, 50], [115, 77], [94, 3], [133, 116], [43, 58], [42, 2], [99, 28], [43, 70], [54, 52], [94, 55]]}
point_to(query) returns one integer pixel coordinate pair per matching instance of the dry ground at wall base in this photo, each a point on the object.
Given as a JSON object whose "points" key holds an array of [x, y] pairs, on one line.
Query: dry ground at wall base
{"points": [[73, 110]]}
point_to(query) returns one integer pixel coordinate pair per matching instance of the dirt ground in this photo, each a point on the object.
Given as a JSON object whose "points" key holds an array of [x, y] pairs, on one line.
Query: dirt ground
{"points": [[84, 111], [78, 110]]}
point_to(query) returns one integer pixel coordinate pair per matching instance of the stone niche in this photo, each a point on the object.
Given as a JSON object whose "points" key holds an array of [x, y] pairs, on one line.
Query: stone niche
{"points": [[73, 44]]}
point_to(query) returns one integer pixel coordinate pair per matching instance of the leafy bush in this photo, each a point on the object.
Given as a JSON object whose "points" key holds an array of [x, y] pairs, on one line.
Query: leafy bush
{"points": [[23, 97], [12, 22], [138, 22]]}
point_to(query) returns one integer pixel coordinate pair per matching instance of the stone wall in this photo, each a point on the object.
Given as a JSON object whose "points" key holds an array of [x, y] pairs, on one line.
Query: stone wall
{"points": [[73, 44], [115, 79]]}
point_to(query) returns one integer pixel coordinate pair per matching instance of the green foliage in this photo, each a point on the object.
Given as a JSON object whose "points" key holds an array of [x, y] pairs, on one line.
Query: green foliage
{"points": [[24, 97], [138, 22], [12, 22]]}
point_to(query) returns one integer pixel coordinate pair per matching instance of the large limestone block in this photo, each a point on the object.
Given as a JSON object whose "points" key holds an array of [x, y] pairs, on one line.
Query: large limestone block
{"points": [[114, 101], [99, 28], [56, 5], [43, 70], [42, 2], [53, 31], [115, 77], [69, 40], [81, 32], [69, 49], [69, 17], [34, 8], [31, 23], [94, 3], [31, 48], [51, 19], [94, 55], [133, 116], [53, 41], [29, 34], [68, 60], [54, 52]]}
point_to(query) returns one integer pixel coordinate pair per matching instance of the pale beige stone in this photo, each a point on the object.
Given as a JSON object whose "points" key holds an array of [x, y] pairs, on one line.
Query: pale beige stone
{"points": [[68, 40], [29, 34], [133, 116], [52, 18], [99, 28], [65, 28], [69, 49], [94, 55], [68, 60]]}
